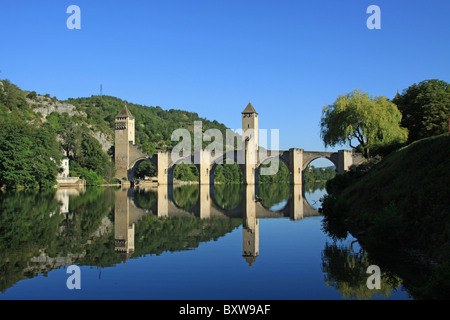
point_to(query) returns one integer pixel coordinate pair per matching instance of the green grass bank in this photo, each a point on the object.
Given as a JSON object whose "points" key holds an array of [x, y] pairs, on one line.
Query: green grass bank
{"points": [[399, 209]]}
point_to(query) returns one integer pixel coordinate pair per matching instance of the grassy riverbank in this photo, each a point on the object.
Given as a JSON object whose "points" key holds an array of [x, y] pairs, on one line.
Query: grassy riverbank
{"points": [[400, 207]]}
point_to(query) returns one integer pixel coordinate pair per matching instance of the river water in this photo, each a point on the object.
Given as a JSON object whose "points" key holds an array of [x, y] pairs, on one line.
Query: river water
{"points": [[187, 242]]}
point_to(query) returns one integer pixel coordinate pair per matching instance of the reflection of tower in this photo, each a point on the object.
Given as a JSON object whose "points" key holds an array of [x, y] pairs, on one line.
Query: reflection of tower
{"points": [[205, 202], [162, 206], [296, 202], [250, 138], [124, 135], [62, 195], [123, 231], [250, 228]]}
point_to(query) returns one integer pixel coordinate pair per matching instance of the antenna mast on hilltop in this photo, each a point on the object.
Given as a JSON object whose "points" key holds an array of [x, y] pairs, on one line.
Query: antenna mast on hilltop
{"points": [[101, 90]]}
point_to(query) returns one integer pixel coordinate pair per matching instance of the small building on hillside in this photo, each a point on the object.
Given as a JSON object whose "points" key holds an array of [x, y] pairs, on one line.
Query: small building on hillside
{"points": [[63, 178], [65, 169]]}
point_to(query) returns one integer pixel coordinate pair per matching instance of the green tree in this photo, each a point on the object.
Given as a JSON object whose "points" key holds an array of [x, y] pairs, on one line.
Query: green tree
{"points": [[29, 155], [11, 96], [92, 164], [71, 135], [371, 121], [280, 175], [145, 169], [425, 108], [185, 172], [92, 155], [228, 173]]}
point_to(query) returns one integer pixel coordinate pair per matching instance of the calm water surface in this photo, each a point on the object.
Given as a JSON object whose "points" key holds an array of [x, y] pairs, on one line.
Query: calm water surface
{"points": [[188, 242]]}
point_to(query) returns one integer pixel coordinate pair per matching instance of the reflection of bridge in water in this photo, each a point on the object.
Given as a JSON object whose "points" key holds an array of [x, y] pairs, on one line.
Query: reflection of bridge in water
{"points": [[128, 213]]}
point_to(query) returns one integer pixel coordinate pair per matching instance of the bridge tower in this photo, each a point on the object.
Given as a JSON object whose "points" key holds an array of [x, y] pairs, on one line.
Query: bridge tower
{"points": [[250, 124], [250, 143], [124, 136]]}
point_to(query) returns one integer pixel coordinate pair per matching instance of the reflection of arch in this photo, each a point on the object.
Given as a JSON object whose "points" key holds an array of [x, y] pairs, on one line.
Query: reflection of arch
{"points": [[286, 205], [138, 192], [194, 205], [213, 193], [308, 201], [279, 211]]}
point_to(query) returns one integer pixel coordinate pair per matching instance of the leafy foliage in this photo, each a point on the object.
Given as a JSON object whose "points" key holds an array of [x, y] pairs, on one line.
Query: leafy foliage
{"points": [[425, 108], [345, 270], [154, 126], [29, 155], [372, 121], [228, 173]]}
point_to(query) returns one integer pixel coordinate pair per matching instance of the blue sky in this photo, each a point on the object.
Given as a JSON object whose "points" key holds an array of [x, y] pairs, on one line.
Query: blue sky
{"points": [[289, 58]]}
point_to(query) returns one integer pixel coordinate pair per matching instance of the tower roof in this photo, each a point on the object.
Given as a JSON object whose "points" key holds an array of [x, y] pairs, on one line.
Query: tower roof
{"points": [[125, 113], [250, 260], [249, 109]]}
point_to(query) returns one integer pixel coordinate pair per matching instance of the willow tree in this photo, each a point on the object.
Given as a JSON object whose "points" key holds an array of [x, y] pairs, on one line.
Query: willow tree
{"points": [[362, 122]]}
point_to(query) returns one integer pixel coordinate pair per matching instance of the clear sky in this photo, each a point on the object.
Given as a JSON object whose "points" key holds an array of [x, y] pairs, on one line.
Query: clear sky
{"points": [[289, 58]]}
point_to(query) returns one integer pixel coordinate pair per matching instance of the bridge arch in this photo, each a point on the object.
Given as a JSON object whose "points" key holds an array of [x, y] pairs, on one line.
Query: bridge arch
{"points": [[173, 163], [135, 163], [283, 160], [309, 157]]}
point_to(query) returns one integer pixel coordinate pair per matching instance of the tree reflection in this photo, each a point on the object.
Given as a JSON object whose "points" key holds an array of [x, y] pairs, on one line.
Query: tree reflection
{"points": [[33, 223], [28, 222], [186, 196], [345, 270], [272, 194], [228, 196], [145, 199]]}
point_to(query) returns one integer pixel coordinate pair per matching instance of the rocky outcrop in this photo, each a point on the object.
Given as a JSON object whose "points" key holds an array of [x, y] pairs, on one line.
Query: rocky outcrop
{"points": [[45, 106]]}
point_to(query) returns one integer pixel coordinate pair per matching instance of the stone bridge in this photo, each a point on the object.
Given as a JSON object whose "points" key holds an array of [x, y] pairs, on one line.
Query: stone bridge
{"points": [[249, 155]]}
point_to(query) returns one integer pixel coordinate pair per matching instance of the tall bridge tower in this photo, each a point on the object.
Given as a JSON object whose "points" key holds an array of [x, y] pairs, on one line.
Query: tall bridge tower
{"points": [[124, 135], [250, 143], [250, 125]]}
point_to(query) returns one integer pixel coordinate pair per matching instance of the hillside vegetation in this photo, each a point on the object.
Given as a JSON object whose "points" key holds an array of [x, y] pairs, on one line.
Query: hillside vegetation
{"points": [[38, 129], [154, 126]]}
